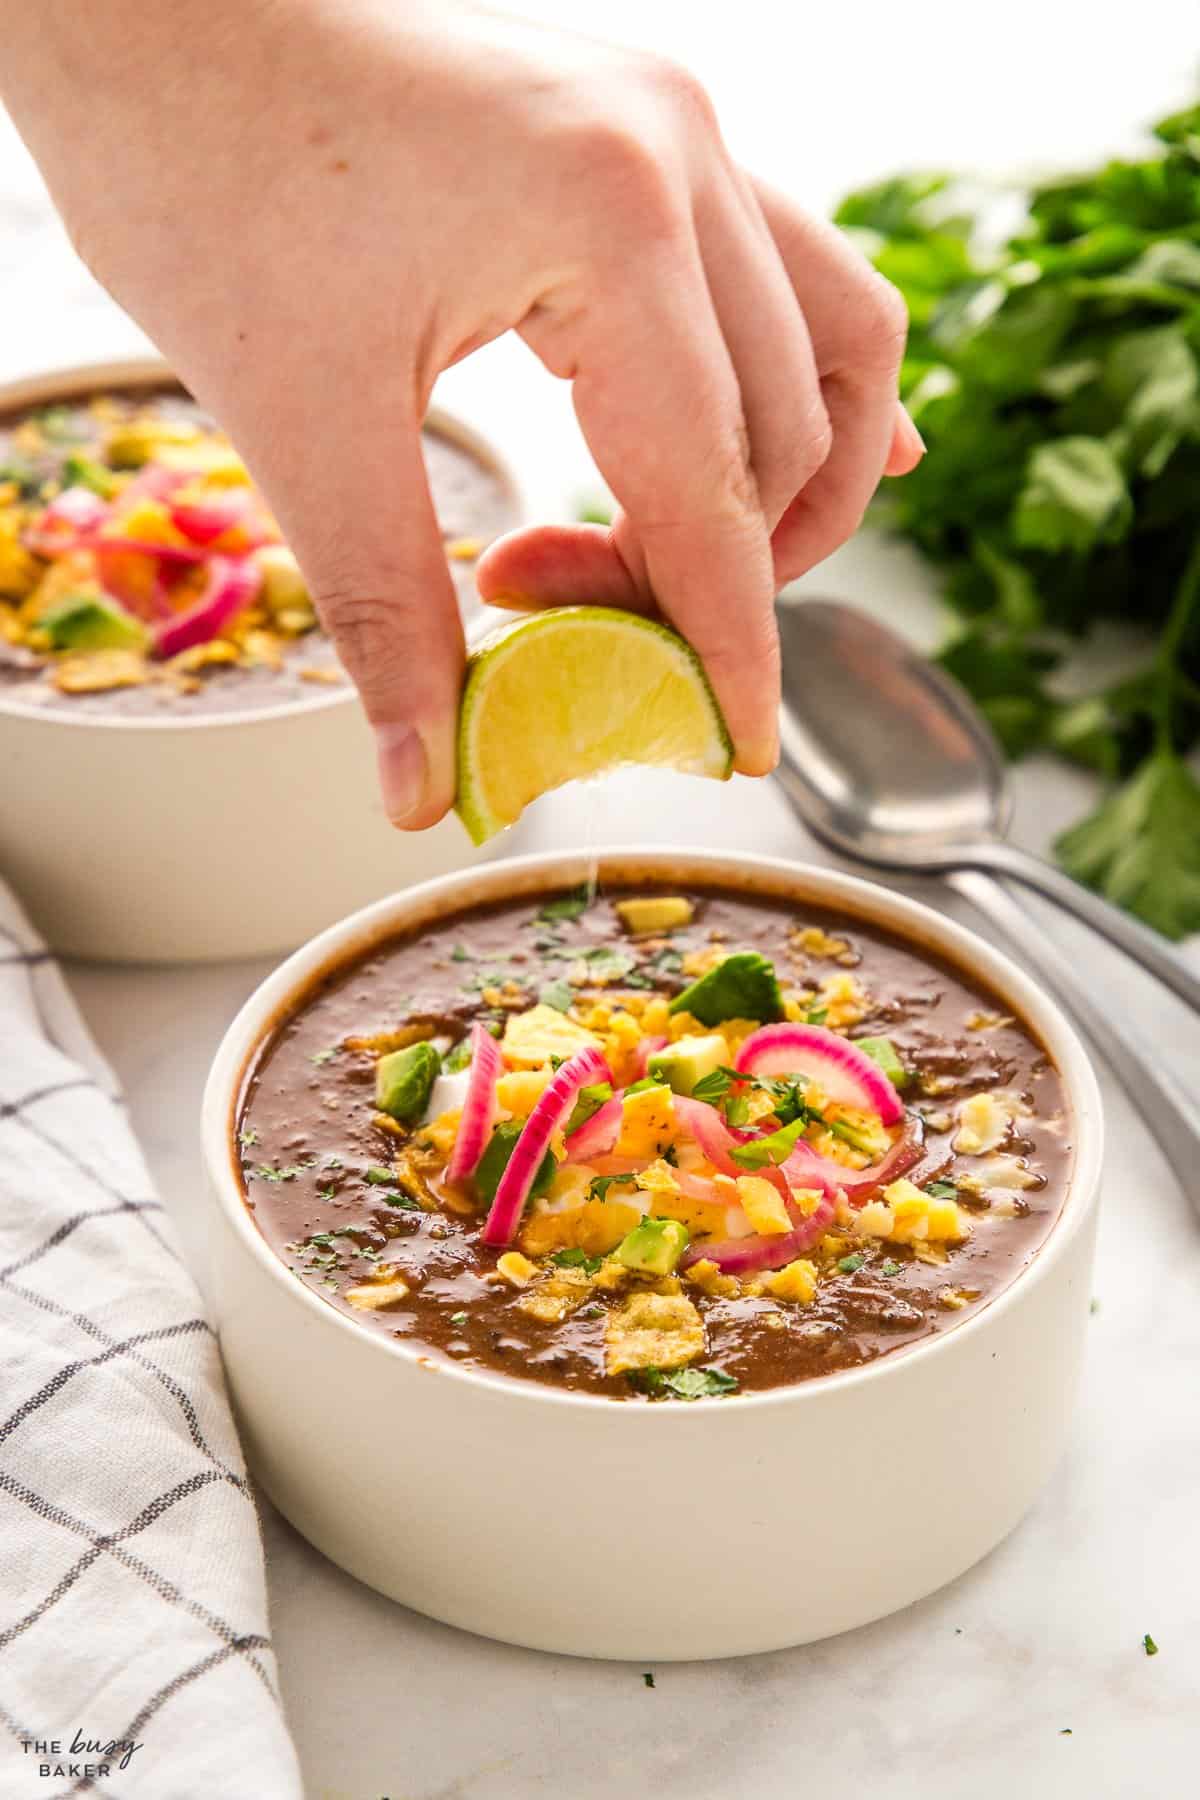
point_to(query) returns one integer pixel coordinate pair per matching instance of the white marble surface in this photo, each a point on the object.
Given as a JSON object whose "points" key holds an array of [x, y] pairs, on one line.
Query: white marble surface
{"points": [[966, 1696]]}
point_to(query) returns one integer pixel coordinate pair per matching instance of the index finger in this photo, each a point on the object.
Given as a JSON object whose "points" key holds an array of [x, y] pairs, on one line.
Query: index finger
{"points": [[658, 400]]}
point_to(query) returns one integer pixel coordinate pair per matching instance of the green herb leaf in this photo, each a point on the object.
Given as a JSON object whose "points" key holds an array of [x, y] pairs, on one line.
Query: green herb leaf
{"points": [[1141, 847], [682, 1384], [558, 994], [849, 1265], [1149, 1645], [567, 906], [942, 1190], [890, 1267], [1056, 380], [575, 1258], [458, 1318], [743, 986]]}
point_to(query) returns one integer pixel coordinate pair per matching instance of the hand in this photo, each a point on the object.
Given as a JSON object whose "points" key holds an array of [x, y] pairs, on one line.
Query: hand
{"points": [[316, 207]]}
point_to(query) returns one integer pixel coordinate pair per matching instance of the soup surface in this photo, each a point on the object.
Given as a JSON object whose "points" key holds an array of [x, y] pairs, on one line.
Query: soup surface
{"points": [[658, 1145], [141, 572]]}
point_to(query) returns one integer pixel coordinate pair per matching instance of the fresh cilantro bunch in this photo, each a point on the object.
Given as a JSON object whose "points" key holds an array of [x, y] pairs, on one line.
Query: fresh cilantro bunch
{"points": [[1056, 380]]}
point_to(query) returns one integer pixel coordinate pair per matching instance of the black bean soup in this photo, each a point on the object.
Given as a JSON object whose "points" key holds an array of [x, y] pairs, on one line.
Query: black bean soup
{"points": [[655, 1144]]}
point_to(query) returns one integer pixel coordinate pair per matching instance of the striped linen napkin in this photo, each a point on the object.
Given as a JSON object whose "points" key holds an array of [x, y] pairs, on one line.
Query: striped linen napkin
{"points": [[134, 1655]]}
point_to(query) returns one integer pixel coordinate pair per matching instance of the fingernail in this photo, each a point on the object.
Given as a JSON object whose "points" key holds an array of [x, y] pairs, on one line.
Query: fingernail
{"points": [[918, 442], [402, 770], [512, 602]]}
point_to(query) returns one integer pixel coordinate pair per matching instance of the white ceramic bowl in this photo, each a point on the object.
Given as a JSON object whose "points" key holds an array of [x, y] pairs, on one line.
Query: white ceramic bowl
{"points": [[207, 835], [599, 1528]]}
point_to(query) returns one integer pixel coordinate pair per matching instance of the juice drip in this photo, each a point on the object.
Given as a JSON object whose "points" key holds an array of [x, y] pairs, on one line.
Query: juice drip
{"points": [[592, 821]]}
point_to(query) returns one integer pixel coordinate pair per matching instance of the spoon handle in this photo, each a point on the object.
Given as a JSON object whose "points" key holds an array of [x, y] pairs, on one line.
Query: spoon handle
{"points": [[1128, 934], [1156, 1097]]}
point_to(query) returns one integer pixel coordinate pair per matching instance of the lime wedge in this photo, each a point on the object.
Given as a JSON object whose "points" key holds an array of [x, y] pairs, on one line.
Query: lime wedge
{"points": [[576, 691]]}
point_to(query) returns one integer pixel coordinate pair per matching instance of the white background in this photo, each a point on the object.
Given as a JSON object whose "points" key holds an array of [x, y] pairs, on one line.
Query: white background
{"points": [[965, 1696]]}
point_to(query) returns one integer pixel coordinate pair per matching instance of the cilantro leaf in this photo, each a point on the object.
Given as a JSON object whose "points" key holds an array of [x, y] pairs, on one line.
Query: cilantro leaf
{"points": [[567, 906], [575, 1258], [558, 994], [682, 1384], [1056, 380], [1141, 847]]}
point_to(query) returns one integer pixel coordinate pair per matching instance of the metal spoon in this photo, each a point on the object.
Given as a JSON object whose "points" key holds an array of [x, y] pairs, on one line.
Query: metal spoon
{"points": [[888, 761]]}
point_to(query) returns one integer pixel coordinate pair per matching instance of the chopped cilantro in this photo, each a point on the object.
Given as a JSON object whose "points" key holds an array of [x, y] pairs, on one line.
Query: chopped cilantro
{"points": [[850, 1265], [248, 1137], [268, 1172], [558, 994], [788, 1096], [379, 1177], [600, 1184], [404, 1202], [324, 1056], [647, 1677], [714, 1086], [607, 964], [681, 1384], [575, 1258], [458, 1318], [1094, 1305], [326, 1193], [460, 953], [816, 1015], [890, 1267], [1149, 1645], [942, 1190], [742, 986], [567, 906]]}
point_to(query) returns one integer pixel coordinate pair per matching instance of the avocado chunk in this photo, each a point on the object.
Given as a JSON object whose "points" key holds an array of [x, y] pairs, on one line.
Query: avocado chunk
{"points": [[654, 1247], [588, 1100], [404, 1081], [687, 1061], [494, 1161], [91, 622], [654, 913], [881, 1050], [743, 986]]}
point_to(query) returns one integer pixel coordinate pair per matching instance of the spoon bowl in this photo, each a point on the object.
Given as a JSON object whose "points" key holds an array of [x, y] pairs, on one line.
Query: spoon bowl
{"points": [[883, 756], [888, 761]]}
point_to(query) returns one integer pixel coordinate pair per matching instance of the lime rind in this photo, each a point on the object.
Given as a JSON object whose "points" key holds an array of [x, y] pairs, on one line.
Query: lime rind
{"points": [[659, 709]]}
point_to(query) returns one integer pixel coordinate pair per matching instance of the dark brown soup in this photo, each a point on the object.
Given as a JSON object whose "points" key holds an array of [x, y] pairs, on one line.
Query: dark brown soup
{"points": [[701, 1144]]}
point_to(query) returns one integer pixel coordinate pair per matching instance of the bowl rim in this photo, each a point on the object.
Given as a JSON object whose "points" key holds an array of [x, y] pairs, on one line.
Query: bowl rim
{"points": [[150, 374], [429, 902]]}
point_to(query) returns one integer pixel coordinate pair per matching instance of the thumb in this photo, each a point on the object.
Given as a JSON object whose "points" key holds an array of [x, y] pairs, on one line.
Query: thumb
{"points": [[373, 557]]}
